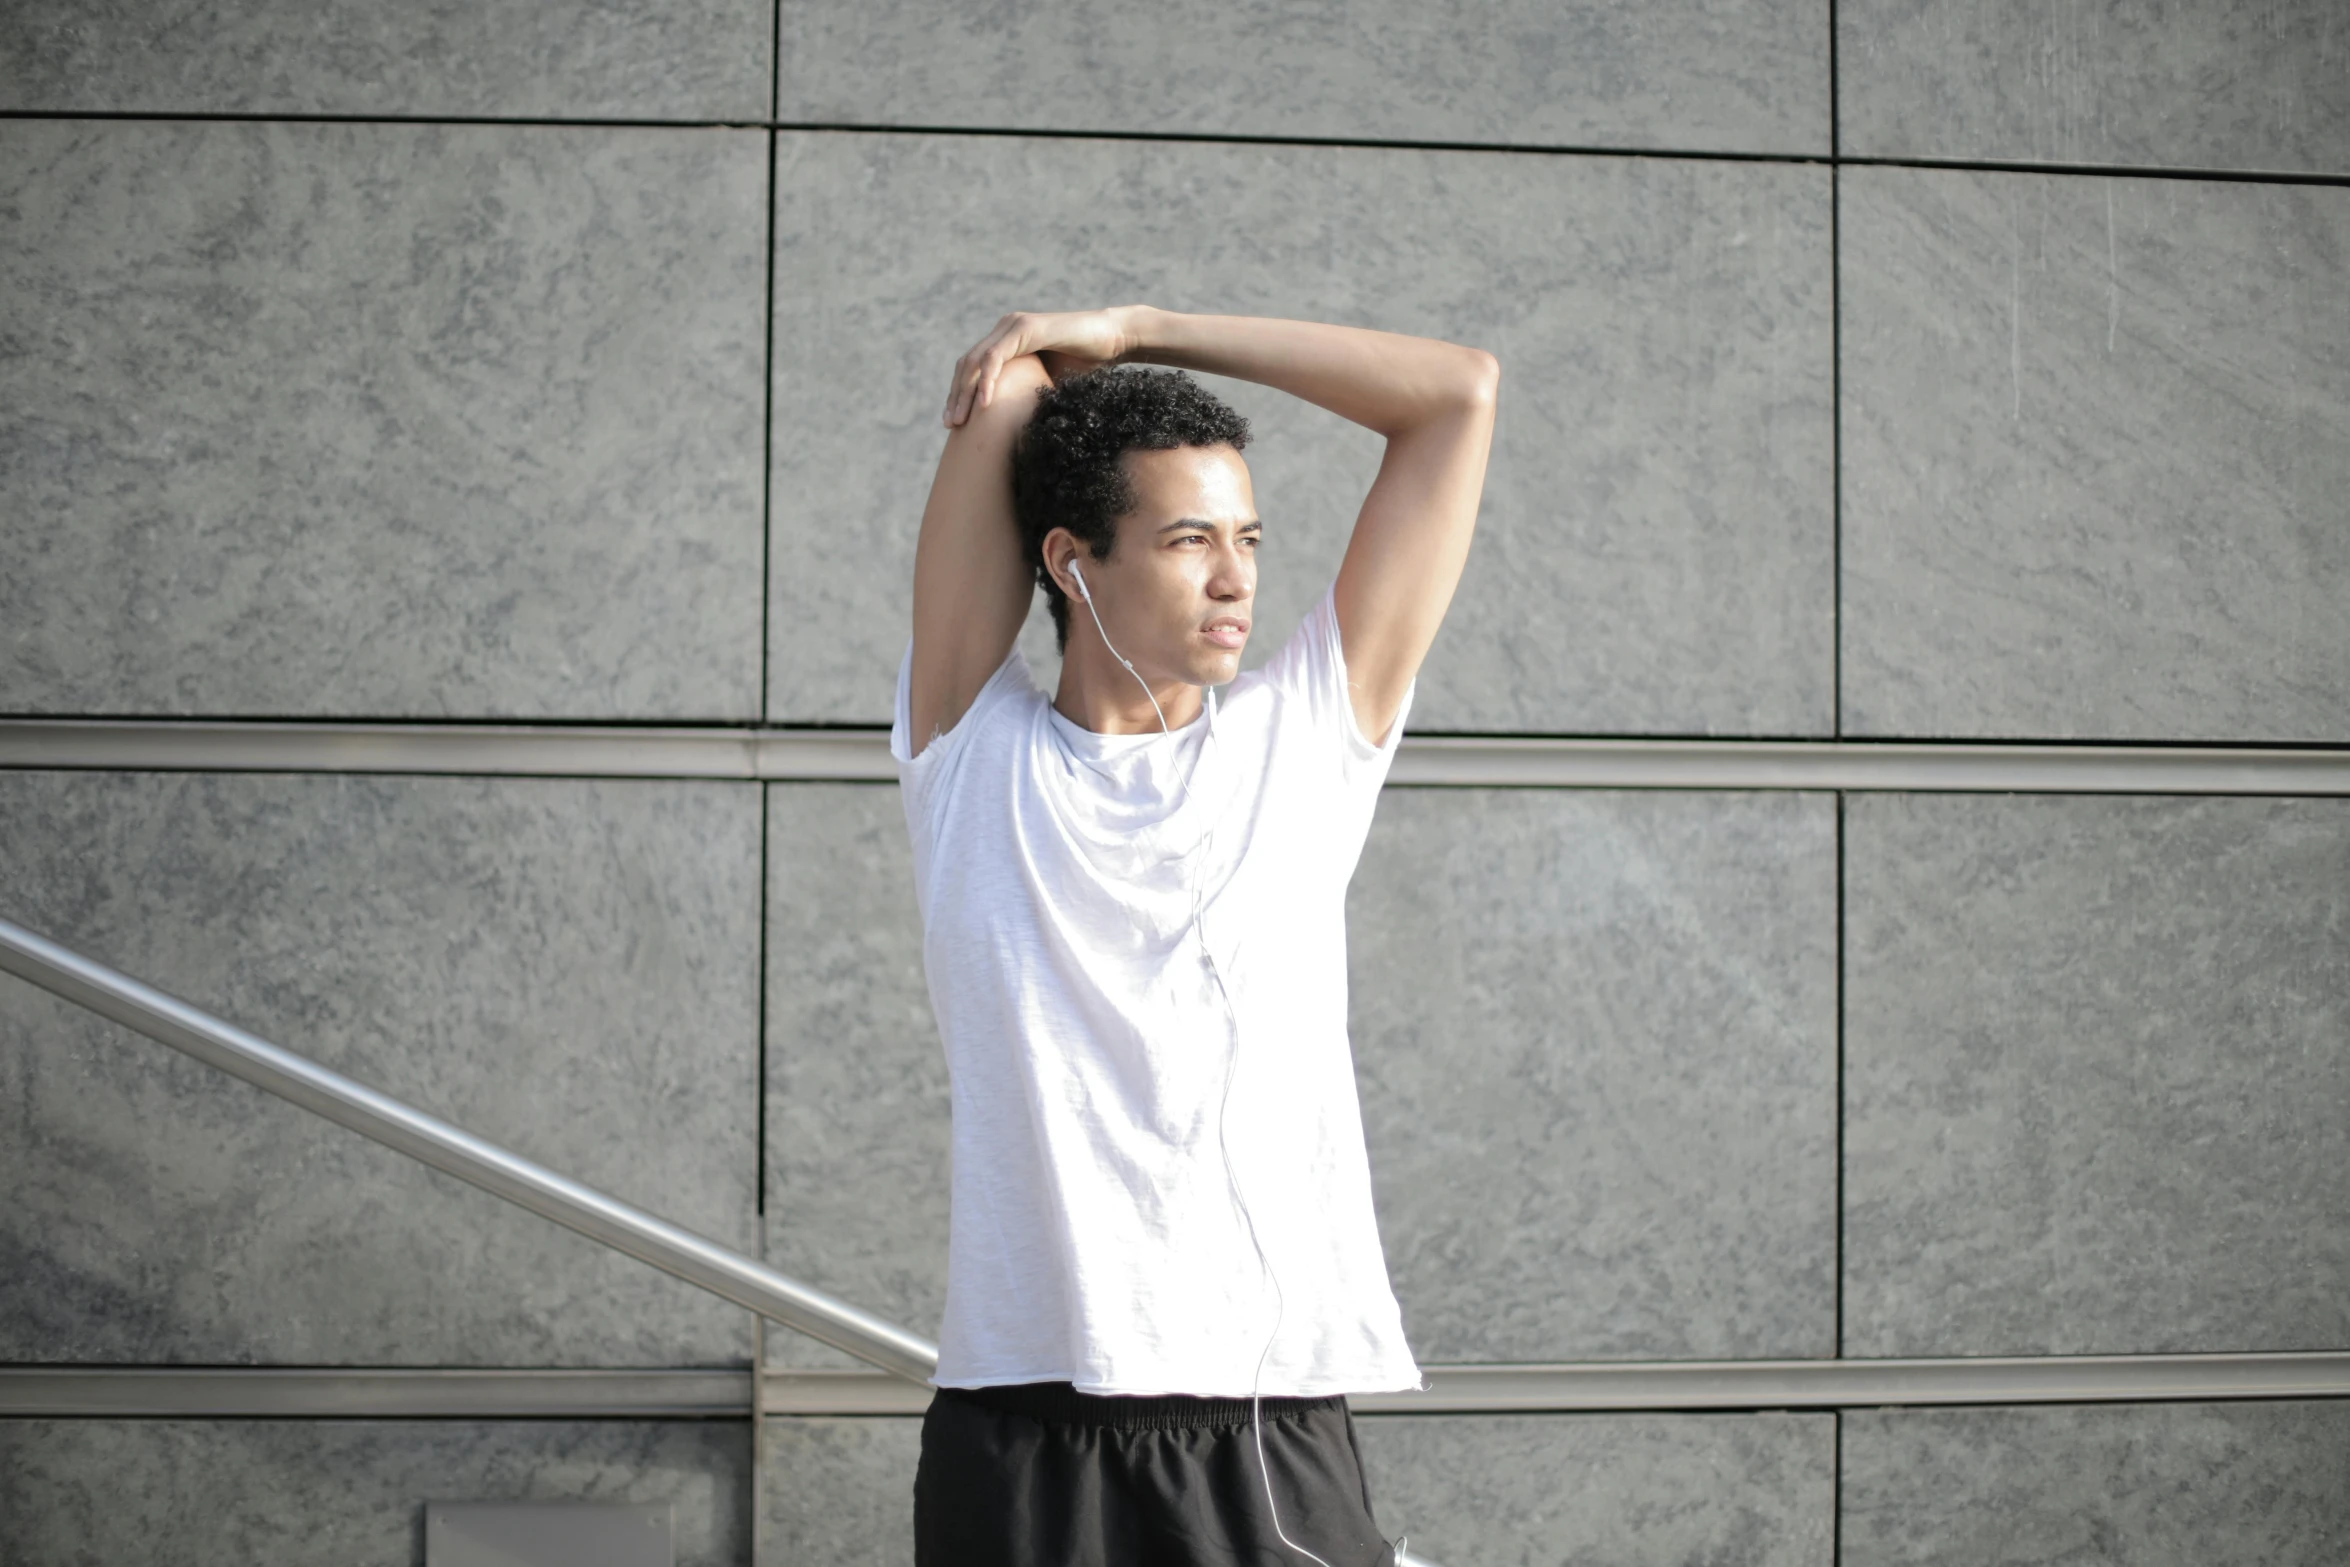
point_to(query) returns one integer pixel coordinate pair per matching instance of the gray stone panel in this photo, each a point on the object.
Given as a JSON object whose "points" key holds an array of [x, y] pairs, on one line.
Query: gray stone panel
{"points": [[2095, 458], [569, 968], [1628, 1490], [2141, 1485], [506, 59], [858, 1123], [839, 1492], [2097, 1075], [2206, 84], [232, 1493], [1595, 1033], [1694, 75], [1655, 551], [380, 420]]}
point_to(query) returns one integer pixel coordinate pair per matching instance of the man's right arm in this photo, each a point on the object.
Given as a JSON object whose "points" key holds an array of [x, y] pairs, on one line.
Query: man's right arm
{"points": [[971, 587]]}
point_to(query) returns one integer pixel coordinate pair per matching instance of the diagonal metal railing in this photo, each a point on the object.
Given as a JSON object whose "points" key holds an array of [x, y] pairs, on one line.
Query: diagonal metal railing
{"points": [[452, 1150]]}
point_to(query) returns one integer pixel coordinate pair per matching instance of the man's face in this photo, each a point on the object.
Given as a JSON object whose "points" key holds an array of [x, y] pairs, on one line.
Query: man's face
{"points": [[1177, 594]]}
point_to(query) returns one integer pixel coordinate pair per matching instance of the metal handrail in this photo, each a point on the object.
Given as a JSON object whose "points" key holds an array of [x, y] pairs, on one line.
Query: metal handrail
{"points": [[782, 753], [455, 1151]]}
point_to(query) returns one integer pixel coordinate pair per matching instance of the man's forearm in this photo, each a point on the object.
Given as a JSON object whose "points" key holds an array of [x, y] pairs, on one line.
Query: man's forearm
{"points": [[1387, 381]]}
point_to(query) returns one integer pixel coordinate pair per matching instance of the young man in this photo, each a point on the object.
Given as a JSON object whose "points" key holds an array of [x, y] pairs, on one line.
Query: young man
{"points": [[1164, 1274]]}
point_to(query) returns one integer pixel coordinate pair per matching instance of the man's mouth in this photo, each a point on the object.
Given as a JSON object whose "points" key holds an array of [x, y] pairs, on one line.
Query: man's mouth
{"points": [[1226, 631]]}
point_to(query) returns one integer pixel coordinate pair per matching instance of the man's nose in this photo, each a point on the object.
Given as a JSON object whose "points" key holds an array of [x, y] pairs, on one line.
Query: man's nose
{"points": [[1234, 575]]}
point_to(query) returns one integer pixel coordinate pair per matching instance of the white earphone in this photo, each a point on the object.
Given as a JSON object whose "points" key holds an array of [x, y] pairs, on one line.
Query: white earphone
{"points": [[1087, 594], [1256, 1407]]}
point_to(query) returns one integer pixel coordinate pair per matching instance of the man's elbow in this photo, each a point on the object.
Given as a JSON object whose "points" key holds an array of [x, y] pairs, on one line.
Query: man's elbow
{"points": [[1456, 384], [1471, 383], [1483, 377]]}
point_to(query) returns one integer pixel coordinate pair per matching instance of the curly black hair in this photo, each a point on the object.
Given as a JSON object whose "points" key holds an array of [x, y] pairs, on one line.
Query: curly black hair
{"points": [[1066, 468]]}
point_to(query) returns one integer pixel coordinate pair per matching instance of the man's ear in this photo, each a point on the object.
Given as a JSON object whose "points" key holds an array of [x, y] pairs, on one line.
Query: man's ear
{"points": [[1059, 549], [1056, 551]]}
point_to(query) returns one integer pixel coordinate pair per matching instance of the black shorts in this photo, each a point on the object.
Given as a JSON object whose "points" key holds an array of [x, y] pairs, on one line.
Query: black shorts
{"points": [[1041, 1475]]}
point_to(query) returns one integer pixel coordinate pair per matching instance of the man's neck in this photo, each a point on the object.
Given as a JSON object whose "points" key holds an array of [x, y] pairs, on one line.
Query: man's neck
{"points": [[1099, 694]]}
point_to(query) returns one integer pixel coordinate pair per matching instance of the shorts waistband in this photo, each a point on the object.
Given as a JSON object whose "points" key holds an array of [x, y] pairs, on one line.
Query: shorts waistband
{"points": [[1062, 1404]]}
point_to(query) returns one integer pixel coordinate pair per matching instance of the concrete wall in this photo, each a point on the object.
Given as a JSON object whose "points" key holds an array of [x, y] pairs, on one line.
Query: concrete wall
{"points": [[1873, 370]]}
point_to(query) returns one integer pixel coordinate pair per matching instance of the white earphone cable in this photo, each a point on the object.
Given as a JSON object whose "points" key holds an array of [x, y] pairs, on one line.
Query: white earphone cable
{"points": [[1232, 1067]]}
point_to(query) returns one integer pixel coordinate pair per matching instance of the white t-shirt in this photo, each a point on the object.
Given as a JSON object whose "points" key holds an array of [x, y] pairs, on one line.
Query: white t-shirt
{"points": [[1094, 1237]]}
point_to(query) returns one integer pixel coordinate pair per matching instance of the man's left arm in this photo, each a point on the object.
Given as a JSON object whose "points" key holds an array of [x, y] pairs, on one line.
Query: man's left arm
{"points": [[1410, 542]]}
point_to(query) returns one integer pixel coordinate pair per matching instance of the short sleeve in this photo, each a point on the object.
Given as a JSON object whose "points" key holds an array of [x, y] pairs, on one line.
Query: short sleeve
{"points": [[1310, 670], [925, 778]]}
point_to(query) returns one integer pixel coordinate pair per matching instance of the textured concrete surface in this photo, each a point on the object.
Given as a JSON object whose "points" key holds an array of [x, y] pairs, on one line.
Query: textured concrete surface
{"points": [[839, 1492], [1596, 1038], [231, 1493], [2097, 1063], [2095, 458], [1522, 1490], [506, 59], [1696, 75], [568, 968], [1654, 554], [380, 420], [2204, 84], [2146, 1485], [858, 1125]]}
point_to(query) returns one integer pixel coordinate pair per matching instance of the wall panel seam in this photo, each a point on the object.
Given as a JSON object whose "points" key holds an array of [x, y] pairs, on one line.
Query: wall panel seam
{"points": [[2314, 177]]}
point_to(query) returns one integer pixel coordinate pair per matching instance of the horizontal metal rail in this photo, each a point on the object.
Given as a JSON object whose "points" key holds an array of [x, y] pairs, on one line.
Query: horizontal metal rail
{"points": [[379, 1393], [1593, 1388], [455, 1151], [862, 755], [1851, 1384], [1623, 1386]]}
